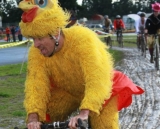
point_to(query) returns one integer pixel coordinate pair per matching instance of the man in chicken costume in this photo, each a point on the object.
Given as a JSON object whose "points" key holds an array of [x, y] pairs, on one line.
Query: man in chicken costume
{"points": [[69, 69]]}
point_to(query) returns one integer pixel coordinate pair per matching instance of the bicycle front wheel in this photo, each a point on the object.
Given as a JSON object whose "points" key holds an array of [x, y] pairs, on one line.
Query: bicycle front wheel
{"points": [[110, 42], [143, 47], [120, 42], [138, 44], [157, 57]]}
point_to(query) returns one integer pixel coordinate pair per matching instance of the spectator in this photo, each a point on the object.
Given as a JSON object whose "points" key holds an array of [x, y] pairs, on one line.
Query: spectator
{"points": [[13, 31], [20, 37], [8, 33]]}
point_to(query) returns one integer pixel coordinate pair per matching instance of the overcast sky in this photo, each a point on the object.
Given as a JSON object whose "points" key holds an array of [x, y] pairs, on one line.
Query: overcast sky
{"points": [[79, 2]]}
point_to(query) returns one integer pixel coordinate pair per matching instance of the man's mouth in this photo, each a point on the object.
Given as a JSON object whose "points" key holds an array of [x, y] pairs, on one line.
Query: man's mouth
{"points": [[43, 51]]}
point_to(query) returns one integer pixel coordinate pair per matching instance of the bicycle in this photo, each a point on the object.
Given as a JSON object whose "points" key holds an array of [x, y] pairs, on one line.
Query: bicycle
{"points": [[143, 44], [108, 38], [62, 125], [156, 51], [119, 37]]}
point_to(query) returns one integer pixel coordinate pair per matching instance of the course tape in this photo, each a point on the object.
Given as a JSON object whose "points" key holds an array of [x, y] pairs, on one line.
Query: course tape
{"points": [[12, 44], [102, 33]]}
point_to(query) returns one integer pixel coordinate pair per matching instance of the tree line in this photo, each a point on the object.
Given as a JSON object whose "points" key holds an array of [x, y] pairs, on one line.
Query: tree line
{"points": [[11, 13]]}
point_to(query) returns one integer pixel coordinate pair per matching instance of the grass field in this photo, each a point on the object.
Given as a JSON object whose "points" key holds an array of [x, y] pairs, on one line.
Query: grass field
{"points": [[11, 95], [129, 41]]}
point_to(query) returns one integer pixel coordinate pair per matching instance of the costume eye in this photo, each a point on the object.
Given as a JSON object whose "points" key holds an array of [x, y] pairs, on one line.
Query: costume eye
{"points": [[41, 3]]}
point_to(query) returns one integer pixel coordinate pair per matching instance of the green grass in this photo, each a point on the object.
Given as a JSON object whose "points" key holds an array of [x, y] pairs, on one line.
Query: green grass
{"points": [[4, 95], [2, 43], [12, 94], [12, 70], [117, 55], [129, 41], [19, 113]]}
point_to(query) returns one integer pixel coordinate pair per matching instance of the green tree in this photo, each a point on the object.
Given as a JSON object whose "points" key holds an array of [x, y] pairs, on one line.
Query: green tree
{"points": [[87, 9], [92, 7], [123, 7], [9, 12], [68, 4]]}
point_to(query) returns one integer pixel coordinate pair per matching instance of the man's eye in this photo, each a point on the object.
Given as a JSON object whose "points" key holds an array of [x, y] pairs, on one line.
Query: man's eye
{"points": [[40, 39]]}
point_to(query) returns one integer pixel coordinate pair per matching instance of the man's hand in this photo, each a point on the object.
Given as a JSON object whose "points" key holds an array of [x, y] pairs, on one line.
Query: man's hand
{"points": [[33, 121], [145, 31], [83, 115]]}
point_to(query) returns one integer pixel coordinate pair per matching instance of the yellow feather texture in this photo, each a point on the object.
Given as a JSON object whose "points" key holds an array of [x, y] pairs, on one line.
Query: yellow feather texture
{"points": [[83, 68]]}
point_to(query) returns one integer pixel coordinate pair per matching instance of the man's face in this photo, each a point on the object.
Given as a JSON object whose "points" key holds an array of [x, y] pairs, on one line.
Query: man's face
{"points": [[142, 18], [45, 45], [156, 13]]}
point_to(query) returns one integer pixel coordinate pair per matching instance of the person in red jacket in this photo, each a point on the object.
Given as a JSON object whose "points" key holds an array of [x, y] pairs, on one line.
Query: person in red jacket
{"points": [[8, 34], [118, 23]]}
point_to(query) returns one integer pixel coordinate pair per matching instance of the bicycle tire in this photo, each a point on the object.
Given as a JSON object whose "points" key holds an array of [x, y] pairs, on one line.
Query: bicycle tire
{"points": [[109, 42], [120, 42], [143, 46], [138, 44], [106, 39], [157, 57], [122, 45]]}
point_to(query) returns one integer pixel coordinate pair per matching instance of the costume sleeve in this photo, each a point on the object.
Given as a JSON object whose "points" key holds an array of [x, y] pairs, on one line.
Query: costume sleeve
{"points": [[97, 67], [37, 90]]}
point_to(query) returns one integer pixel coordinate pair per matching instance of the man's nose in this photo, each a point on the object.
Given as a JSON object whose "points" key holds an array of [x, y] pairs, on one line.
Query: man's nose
{"points": [[36, 43]]}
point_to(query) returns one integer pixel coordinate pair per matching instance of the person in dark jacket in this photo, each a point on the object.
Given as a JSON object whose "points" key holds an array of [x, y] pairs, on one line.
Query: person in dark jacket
{"points": [[13, 33], [151, 27]]}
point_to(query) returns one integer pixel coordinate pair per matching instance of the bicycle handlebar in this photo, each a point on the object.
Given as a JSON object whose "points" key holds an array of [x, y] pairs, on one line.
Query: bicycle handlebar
{"points": [[60, 125]]}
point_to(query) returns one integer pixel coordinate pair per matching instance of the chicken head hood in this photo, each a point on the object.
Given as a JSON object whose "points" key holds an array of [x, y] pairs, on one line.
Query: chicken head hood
{"points": [[42, 17]]}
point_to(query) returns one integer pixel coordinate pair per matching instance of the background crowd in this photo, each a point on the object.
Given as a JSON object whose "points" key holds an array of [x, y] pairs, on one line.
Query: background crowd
{"points": [[11, 34]]}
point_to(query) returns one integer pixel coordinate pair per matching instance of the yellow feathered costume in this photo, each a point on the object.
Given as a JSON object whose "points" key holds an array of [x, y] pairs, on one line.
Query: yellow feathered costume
{"points": [[78, 76]]}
